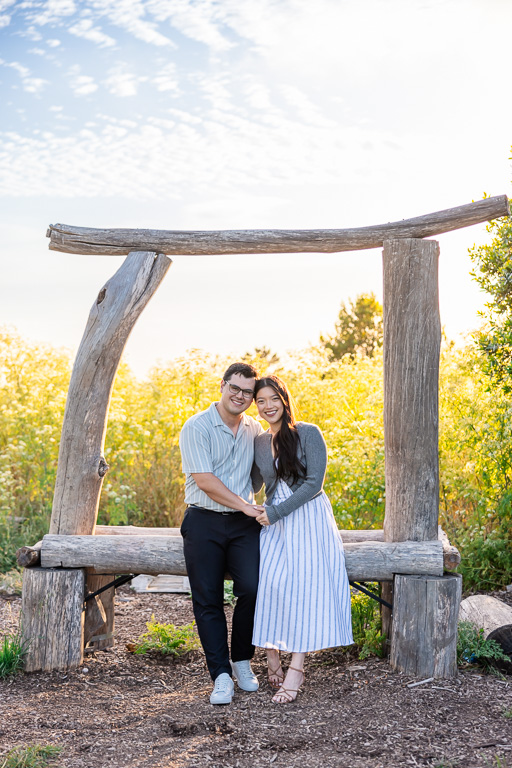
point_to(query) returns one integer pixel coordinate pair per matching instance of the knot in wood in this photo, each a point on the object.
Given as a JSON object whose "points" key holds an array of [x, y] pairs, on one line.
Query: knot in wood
{"points": [[101, 295], [103, 467]]}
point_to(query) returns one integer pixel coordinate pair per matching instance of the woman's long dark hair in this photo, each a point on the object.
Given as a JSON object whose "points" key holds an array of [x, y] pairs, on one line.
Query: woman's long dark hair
{"points": [[286, 441]]}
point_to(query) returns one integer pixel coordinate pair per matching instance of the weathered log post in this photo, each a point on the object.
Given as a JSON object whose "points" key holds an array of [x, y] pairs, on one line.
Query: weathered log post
{"points": [[412, 339], [52, 618], [81, 465]]}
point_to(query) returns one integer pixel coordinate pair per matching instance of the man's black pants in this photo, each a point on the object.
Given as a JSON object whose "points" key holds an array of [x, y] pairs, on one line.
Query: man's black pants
{"points": [[216, 543]]}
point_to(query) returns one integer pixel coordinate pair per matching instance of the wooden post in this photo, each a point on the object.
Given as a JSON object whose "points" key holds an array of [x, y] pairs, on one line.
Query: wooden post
{"points": [[424, 631], [52, 618], [412, 339], [81, 466], [99, 634]]}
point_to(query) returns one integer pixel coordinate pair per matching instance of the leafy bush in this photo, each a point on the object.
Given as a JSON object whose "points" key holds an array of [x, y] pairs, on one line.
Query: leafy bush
{"points": [[473, 648], [13, 650], [366, 626], [167, 639]]}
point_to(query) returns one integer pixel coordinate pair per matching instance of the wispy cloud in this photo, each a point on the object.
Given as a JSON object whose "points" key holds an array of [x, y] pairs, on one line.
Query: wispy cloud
{"points": [[173, 157], [130, 16], [5, 19], [121, 82], [53, 10], [86, 29], [29, 83], [81, 85], [166, 78], [198, 20]]}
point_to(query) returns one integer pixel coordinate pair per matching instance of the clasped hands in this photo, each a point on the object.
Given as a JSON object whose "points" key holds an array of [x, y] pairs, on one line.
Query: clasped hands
{"points": [[257, 511]]}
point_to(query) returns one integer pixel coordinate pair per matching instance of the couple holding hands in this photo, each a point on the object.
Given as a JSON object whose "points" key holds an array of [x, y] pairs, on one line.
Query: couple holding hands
{"points": [[285, 557]]}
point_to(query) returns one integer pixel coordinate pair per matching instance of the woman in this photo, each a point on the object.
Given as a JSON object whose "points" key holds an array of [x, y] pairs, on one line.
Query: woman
{"points": [[303, 601]]}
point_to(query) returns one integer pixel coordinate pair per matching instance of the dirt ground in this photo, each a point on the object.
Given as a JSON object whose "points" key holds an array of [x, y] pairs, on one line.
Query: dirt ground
{"points": [[126, 711]]}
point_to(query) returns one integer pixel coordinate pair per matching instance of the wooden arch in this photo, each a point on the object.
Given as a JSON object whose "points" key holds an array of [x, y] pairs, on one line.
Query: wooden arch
{"points": [[408, 551]]}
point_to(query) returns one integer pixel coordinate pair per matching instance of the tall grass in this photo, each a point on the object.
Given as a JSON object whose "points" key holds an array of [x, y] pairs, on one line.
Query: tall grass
{"points": [[13, 650], [145, 484]]}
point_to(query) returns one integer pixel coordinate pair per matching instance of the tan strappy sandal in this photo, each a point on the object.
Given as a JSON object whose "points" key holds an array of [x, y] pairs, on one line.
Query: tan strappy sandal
{"points": [[274, 672], [287, 692]]}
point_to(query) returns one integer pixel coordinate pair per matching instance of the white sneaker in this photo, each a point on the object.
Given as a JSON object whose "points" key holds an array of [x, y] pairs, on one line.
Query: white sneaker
{"points": [[222, 690], [244, 675]]}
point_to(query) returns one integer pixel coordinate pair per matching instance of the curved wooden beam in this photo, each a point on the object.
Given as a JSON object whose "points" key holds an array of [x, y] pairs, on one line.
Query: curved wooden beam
{"points": [[81, 466], [115, 242]]}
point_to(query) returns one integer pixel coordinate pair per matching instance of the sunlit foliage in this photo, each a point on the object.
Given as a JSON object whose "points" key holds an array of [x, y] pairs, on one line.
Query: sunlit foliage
{"points": [[344, 397], [493, 273], [33, 384], [358, 331]]}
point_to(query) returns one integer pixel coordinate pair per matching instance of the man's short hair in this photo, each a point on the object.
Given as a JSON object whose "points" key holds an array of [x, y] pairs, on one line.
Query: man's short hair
{"points": [[247, 371]]}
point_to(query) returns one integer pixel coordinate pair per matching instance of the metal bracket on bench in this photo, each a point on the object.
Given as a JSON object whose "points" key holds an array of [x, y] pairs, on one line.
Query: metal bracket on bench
{"points": [[371, 594], [116, 583]]}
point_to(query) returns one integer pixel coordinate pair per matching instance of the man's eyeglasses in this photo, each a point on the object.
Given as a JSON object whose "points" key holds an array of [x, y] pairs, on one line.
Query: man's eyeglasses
{"points": [[248, 394]]}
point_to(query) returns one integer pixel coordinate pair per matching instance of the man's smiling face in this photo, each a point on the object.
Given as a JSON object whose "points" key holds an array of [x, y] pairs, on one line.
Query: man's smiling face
{"points": [[237, 393]]}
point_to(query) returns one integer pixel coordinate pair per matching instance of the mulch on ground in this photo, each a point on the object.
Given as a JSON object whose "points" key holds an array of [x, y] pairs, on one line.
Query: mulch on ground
{"points": [[126, 711]]}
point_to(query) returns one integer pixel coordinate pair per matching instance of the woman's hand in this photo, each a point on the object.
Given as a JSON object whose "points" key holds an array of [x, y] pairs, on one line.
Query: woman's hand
{"points": [[263, 518], [252, 510]]}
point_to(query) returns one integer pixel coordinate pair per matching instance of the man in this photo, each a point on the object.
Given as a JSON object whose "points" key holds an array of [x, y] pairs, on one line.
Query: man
{"points": [[219, 530]]}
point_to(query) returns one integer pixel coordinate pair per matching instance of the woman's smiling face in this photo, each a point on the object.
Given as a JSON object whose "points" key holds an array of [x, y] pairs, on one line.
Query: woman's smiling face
{"points": [[270, 406]]}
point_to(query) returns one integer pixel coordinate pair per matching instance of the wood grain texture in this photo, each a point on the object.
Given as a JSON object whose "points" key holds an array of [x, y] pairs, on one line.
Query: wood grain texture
{"points": [[28, 557], [424, 629], [491, 615], [100, 636], [81, 465], [95, 617], [451, 555], [412, 339], [114, 242], [52, 618], [164, 554], [134, 530]]}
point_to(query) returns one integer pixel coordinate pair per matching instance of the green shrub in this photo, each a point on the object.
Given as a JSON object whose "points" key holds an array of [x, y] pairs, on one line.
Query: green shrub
{"points": [[167, 639], [473, 648]]}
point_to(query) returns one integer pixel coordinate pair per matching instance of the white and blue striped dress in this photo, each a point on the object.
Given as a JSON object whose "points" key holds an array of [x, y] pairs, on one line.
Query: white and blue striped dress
{"points": [[303, 601]]}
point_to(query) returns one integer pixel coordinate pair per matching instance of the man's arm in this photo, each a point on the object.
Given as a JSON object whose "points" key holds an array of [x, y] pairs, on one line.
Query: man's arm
{"points": [[217, 491]]}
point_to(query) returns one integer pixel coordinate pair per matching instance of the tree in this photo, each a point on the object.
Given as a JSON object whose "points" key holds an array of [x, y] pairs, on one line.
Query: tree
{"points": [[358, 330], [262, 358], [493, 273]]}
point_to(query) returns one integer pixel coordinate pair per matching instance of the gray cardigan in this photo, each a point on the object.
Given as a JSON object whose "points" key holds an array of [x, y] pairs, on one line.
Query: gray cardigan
{"points": [[312, 451]]}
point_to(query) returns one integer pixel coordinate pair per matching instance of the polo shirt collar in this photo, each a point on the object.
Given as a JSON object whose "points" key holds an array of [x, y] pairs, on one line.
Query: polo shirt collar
{"points": [[217, 420]]}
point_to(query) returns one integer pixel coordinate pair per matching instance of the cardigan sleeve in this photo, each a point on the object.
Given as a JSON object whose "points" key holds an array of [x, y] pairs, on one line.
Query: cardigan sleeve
{"points": [[315, 457], [256, 478]]}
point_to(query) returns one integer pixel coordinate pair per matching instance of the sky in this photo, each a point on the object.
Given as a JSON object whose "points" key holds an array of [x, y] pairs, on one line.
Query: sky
{"points": [[242, 114]]}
